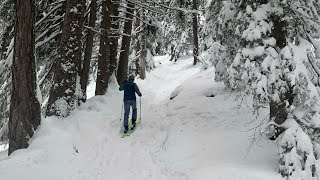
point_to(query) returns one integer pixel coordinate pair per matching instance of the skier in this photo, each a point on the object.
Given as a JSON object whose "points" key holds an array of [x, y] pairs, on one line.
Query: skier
{"points": [[130, 88]]}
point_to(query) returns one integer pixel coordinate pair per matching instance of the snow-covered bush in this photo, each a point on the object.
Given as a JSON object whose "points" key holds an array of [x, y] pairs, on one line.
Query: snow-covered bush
{"points": [[219, 41], [297, 158]]}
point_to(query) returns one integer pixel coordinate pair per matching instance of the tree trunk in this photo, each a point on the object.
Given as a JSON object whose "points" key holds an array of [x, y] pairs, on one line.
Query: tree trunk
{"points": [[177, 53], [125, 47], [104, 51], [63, 95], [172, 52], [114, 37], [135, 44], [25, 113], [143, 50], [195, 34], [88, 51]]}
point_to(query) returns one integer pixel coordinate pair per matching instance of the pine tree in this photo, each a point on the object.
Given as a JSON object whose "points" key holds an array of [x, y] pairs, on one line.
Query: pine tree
{"points": [[143, 48], [103, 73], [25, 114], [63, 94], [7, 17], [145, 39], [177, 31], [135, 52], [49, 17], [114, 36], [88, 51], [273, 64], [220, 43], [125, 46], [195, 33]]}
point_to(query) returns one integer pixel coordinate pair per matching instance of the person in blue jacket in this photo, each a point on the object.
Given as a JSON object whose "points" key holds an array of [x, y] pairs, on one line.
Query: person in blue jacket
{"points": [[130, 89]]}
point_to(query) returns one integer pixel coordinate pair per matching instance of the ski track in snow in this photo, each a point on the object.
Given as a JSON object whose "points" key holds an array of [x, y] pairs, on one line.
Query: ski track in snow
{"points": [[191, 137]]}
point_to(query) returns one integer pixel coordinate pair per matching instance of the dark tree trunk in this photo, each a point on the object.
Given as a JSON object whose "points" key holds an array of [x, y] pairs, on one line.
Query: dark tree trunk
{"points": [[103, 74], [114, 37], [63, 95], [143, 53], [136, 42], [25, 110], [177, 54], [172, 52], [125, 47], [195, 33], [88, 51]]}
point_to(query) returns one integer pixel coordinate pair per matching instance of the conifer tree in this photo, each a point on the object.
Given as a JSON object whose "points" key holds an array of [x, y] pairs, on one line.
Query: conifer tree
{"points": [[66, 81], [274, 64], [25, 114], [122, 70], [85, 68]]}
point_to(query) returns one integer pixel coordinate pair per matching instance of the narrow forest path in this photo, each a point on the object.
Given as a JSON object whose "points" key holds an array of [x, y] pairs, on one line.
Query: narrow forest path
{"points": [[189, 137], [201, 134], [134, 156]]}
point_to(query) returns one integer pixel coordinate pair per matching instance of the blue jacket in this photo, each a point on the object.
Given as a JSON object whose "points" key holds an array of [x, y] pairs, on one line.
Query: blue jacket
{"points": [[130, 89]]}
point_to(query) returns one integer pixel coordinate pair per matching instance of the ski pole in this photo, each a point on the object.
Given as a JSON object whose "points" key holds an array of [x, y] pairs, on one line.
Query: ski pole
{"points": [[121, 112], [140, 113], [121, 116]]}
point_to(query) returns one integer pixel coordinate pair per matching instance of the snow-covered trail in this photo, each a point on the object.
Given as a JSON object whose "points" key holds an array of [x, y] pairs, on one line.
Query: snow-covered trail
{"points": [[134, 157], [162, 81], [191, 137]]}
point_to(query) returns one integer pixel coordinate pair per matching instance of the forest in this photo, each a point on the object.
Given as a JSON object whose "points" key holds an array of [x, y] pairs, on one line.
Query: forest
{"points": [[266, 52]]}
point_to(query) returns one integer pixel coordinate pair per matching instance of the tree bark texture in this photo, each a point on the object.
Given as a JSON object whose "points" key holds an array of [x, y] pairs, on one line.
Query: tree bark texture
{"points": [[125, 47], [114, 36], [88, 51], [25, 113], [103, 73], [195, 33], [143, 49], [63, 95], [135, 42]]}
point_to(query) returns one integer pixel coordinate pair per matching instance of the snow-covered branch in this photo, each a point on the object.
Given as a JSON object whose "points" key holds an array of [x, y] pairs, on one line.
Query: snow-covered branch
{"points": [[49, 13]]}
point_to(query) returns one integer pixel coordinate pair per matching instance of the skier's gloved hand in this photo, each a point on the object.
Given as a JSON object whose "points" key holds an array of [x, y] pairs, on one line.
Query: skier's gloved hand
{"points": [[140, 94]]}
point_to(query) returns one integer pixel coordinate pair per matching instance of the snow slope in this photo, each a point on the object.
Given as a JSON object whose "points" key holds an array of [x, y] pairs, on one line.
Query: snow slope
{"points": [[200, 134]]}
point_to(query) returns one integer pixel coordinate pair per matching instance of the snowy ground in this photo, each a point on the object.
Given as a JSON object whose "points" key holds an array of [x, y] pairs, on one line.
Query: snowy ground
{"points": [[200, 134]]}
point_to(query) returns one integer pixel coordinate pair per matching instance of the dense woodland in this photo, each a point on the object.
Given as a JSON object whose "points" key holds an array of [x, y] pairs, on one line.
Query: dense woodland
{"points": [[267, 50]]}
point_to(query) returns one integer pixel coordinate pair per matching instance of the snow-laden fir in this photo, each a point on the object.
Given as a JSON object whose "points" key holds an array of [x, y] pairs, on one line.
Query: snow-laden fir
{"points": [[200, 134]]}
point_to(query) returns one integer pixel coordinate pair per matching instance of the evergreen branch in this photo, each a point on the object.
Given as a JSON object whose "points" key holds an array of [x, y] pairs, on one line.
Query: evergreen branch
{"points": [[48, 14]]}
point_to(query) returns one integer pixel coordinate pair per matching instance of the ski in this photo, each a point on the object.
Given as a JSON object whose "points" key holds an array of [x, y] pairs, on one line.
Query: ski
{"points": [[131, 131]]}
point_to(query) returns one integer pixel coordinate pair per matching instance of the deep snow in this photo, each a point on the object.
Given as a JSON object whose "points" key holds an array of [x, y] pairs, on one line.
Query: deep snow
{"points": [[200, 134]]}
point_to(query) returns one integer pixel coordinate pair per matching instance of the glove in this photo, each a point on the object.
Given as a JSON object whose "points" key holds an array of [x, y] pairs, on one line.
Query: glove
{"points": [[140, 94]]}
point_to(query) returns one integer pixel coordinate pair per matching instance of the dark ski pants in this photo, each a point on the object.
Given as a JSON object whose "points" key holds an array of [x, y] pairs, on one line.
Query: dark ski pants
{"points": [[127, 104]]}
